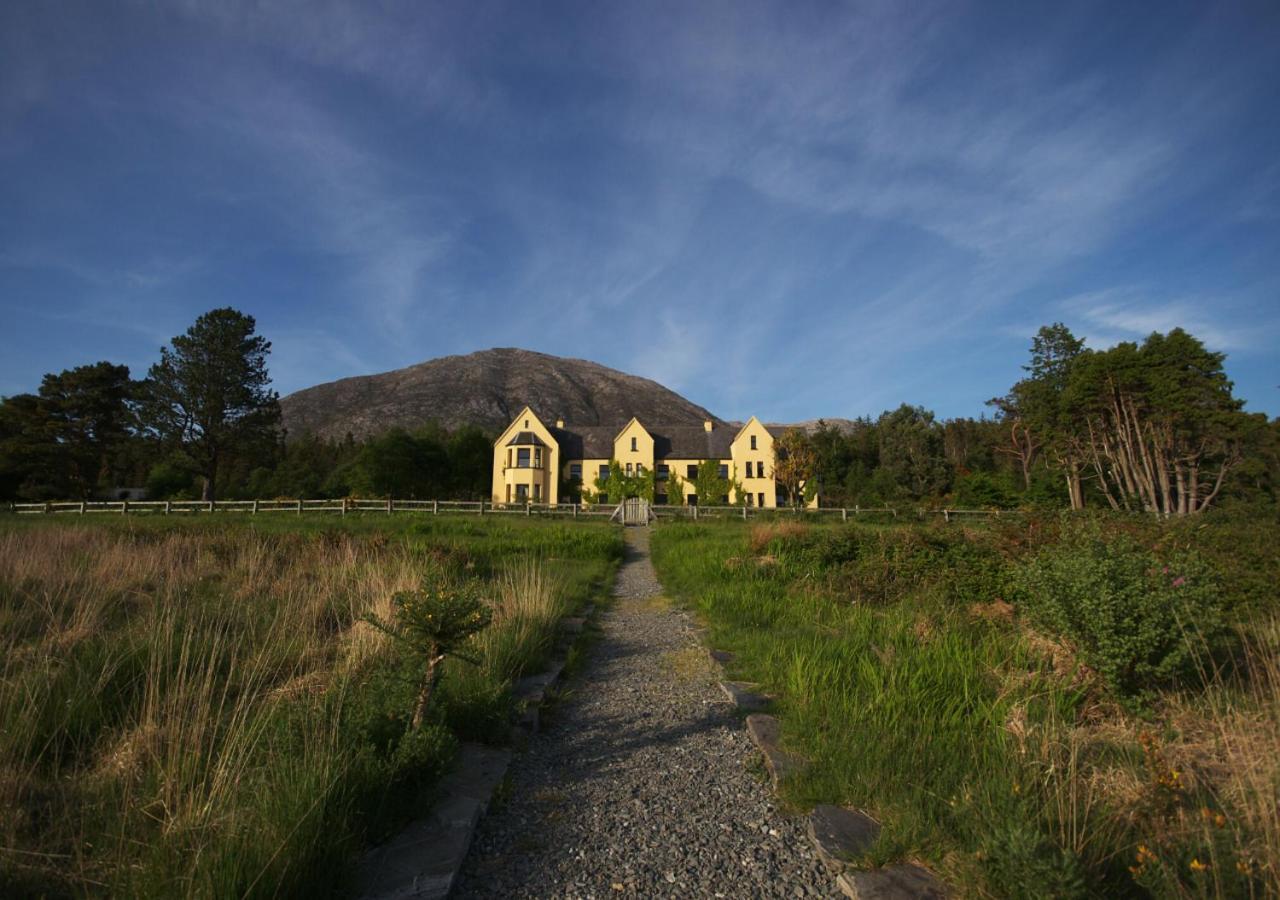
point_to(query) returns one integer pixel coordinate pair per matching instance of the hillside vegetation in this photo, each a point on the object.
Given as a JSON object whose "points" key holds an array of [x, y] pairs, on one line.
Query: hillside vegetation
{"points": [[202, 709], [1065, 708]]}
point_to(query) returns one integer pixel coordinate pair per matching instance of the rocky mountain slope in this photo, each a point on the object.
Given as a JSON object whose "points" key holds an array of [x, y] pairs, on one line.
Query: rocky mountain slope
{"points": [[486, 388]]}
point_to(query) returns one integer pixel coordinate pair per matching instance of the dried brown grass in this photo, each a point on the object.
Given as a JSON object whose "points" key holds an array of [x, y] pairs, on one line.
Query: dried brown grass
{"points": [[228, 624]]}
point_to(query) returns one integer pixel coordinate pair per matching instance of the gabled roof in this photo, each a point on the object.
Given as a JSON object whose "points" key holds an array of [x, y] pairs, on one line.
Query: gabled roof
{"points": [[691, 442], [669, 442]]}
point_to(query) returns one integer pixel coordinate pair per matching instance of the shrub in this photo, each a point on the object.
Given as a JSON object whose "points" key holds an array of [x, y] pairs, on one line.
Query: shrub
{"points": [[434, 622], [1127, 609]]}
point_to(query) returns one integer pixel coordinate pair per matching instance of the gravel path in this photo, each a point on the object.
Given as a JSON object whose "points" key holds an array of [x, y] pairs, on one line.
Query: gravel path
{"points": [[643, 782]]}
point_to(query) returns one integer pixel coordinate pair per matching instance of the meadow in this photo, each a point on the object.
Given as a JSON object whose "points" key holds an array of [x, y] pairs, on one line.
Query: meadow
{"points": [[204, 707], [1037, 707]]}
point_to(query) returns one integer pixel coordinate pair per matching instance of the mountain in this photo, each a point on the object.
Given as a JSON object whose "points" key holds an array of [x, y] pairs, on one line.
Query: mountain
{"points": [[485, 388]]}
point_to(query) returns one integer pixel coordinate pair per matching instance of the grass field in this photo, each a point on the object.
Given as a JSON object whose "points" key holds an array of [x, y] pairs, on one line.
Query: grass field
{"points": [[1053, 708], [199, 708]]}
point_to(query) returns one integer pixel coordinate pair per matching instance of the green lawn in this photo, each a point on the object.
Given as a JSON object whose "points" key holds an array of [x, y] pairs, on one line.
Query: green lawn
{"points": [[914, 668]]}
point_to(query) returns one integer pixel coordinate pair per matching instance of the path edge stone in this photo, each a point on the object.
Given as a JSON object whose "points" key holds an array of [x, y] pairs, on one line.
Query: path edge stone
{"points": [[422, 860]]}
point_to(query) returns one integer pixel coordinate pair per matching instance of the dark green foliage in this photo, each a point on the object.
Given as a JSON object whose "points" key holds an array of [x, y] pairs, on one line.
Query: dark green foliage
{"points": [[1132, 612], [65, 442], [210, 393], [1027, 864], [911, 451]]}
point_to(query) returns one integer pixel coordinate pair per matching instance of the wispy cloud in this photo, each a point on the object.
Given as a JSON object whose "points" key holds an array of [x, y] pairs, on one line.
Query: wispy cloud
{"points": [[1123, 314]]}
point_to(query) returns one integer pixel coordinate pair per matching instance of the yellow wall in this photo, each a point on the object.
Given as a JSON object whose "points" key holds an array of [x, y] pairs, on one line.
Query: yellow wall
{"points": [[642, 455], [547, 477], [744, 456]]}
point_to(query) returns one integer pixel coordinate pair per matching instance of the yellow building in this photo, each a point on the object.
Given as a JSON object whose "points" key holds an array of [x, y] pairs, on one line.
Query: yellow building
{"points": [[536, 463]]}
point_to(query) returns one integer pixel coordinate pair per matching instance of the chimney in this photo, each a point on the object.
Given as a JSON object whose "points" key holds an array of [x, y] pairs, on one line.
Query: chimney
{"points": [[707, 425], [560, 423]]}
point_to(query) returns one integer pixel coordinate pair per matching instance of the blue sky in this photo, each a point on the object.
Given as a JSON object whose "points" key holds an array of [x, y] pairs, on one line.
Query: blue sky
{"points": [[785, 209]]}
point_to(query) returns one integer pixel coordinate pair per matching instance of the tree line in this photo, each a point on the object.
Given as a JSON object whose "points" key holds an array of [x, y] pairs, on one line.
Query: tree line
{"points": [[1150, 427], [204, 423]]}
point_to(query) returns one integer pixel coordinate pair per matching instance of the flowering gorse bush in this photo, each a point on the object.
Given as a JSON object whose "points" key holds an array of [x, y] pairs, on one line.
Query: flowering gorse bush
{"points": [[1132, 613]]}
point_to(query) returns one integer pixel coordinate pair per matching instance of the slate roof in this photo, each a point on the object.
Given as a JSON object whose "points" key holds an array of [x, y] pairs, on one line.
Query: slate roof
{"points": [[669, 441], [526, 439]]}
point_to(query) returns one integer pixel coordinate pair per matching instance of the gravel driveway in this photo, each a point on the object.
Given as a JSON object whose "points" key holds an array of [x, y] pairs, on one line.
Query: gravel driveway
{"points": [[643, 781]]}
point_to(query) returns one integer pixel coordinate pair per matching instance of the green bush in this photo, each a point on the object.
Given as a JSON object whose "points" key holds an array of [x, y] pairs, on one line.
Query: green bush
{"points": [[1130, 611]]}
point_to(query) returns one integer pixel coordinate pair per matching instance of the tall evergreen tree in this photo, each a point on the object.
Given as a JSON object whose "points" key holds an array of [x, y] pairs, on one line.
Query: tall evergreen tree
{"points": [[210, 393]]}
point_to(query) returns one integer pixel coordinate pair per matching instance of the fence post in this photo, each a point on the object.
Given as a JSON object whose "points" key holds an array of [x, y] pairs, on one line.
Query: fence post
{"points": [[254, 511], [210, 506], [528, 508], [167, 505], [575, 510], [695, 513], [482, 507], [82, 507], [298, 508], [435, 507], [46, 507], [390, 505], [124, 508], [946, 515]]}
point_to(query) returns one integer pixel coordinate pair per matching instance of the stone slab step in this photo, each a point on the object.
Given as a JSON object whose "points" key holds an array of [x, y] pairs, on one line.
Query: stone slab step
{"points": [[765, 731], [840, 834], [534, 687], [423, 860], [905, 882], [720, 657], [740, 693]]}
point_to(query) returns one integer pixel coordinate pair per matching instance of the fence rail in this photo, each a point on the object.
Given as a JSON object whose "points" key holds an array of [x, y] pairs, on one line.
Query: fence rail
{"points": [[478, 507]]}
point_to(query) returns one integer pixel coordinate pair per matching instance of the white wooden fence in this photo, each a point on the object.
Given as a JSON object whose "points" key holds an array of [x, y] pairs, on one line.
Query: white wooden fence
{"points": [[479, 507]]}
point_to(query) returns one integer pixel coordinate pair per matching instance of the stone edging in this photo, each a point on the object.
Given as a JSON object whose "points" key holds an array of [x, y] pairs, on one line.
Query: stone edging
{"points": [[423, 860], [837, 833]]}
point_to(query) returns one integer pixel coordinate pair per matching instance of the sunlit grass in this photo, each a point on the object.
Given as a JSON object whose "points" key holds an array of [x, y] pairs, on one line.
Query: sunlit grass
{"points": [[200, 709], [986, 749]]}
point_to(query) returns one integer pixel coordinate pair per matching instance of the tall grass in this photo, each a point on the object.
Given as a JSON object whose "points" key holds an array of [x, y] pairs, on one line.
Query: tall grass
{"points": [[201, 710], [988, 749]]}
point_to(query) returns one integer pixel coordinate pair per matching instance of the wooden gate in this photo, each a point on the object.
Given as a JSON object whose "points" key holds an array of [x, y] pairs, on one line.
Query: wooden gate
{"points": [[633, 511]]}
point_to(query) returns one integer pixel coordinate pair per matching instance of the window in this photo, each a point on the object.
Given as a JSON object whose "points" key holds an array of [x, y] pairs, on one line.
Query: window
{"points": [[692, 471], [749, 499], [522, 492], [761, 503], [748, 472], [724, 471], [575, 471], [522, 458], [537, 492], [628, 469], [604, 472], [633, 445], [662, 473], [526, 423], [537, 458], [753, 442], [660, 499], [760, 469], [639, 468], [692, 499]]}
